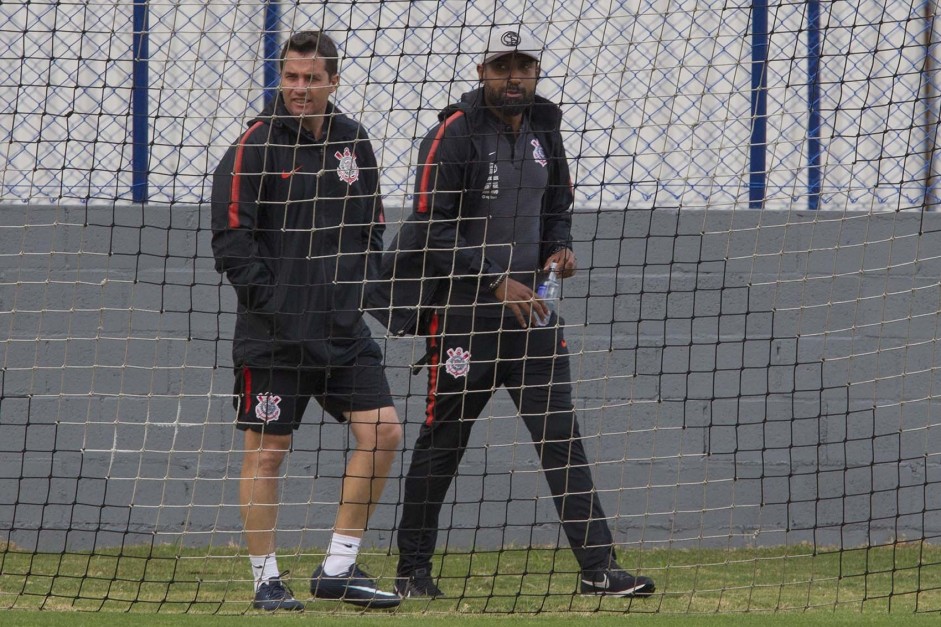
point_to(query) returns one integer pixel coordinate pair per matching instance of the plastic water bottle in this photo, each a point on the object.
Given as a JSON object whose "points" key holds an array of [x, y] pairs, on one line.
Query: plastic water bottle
{"points": [[549, 292]]}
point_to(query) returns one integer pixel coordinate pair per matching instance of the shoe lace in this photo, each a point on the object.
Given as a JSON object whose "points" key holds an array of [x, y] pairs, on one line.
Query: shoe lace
{"points": [[280, 588], [357, 572]]}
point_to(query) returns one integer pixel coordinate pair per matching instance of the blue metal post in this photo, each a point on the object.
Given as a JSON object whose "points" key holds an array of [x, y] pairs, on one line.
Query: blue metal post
{"points": [[271, 49], [931, 114], [759, 104], [813, 105], [140, 149]]}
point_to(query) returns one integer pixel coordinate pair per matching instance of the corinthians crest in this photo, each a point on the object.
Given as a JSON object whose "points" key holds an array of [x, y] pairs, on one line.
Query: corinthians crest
{"points": [[267, 408], [347, 169], [539, 155], [458, 363]]}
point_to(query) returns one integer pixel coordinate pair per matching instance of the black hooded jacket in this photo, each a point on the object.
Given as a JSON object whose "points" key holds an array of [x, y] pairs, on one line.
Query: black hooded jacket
{"points": [[431, 251], [293, 221]]}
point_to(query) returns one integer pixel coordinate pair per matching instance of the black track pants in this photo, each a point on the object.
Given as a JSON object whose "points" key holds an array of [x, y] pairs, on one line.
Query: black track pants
{"points": [[470, 359]]}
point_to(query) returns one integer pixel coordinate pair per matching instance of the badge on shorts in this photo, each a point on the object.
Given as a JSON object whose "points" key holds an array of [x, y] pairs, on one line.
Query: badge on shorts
{"points": [[347, 170], [267, 408], [458, 363]]}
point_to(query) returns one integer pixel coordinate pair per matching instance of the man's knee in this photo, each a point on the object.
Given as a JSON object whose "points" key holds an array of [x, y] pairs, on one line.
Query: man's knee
{"points": [[270, 461], [265, 453], [377, 430], [388, 436]]}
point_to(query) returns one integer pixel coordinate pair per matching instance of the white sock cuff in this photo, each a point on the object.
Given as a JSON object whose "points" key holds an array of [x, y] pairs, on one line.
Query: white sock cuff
{"points": [[264, 567], [341, 554], [342, 539]]}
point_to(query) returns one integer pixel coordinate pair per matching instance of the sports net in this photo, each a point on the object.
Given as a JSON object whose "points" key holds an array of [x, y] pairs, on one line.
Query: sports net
{"points": [[753, 331]]}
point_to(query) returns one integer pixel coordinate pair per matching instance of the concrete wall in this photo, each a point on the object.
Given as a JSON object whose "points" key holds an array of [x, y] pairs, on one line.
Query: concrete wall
{"points": [[744, 378]]}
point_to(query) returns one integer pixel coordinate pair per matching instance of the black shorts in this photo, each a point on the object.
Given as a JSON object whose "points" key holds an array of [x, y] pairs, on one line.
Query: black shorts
{"points": [[273, 400]]}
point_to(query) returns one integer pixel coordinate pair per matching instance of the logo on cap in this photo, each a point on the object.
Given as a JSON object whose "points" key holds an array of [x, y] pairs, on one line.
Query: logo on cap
{"points": [[510, 38]]}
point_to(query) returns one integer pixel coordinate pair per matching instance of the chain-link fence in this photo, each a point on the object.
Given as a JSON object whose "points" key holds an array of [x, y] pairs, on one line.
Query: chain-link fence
{"points": [[660, 97]]}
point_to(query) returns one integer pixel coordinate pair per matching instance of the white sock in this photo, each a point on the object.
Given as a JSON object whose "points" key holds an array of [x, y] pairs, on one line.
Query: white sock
{"points": [[264, 567], [341, 554]]}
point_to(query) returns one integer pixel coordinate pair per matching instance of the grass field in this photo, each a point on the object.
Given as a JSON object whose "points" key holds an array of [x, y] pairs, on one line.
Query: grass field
{"points": [[784, 585], [834, 619]]}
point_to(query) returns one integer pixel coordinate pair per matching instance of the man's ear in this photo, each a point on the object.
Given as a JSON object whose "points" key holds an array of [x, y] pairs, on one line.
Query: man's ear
{"points": [[480, 71]]}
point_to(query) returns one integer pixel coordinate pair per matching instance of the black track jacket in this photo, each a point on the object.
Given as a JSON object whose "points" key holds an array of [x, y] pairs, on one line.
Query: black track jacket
{"points": [[293, 221], [430, 249]]}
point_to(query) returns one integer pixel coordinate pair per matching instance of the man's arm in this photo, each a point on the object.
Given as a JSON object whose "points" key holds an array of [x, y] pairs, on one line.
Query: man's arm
{"points": [[236, 188], [374, 231], [441, 182], [557, 212]]}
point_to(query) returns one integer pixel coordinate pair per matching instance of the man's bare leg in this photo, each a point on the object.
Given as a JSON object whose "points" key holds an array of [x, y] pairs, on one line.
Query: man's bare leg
{"points": [[378, 434], [258, 496]]}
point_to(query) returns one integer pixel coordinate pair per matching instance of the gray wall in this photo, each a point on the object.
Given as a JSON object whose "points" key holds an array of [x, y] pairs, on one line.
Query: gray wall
{"points": [[744, 378]]}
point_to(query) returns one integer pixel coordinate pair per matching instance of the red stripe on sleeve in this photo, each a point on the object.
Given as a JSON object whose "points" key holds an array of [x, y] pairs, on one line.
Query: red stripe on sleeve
{"points": [[423, 188], [236, 178]]}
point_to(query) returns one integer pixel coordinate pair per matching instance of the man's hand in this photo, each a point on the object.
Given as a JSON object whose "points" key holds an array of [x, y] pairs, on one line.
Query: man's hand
{"points": [[521, 300], [565, 264]]}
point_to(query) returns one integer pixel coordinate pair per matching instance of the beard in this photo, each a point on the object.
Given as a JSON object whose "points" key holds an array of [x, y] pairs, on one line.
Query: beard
{"points": [[510, 106]]}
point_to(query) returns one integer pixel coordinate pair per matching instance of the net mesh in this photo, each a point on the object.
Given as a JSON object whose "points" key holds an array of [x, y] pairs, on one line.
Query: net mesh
{"points": [[755, 388]]}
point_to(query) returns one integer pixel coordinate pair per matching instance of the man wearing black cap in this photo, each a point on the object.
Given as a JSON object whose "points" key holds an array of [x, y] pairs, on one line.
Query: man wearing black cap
{"points": [[492, 213]]}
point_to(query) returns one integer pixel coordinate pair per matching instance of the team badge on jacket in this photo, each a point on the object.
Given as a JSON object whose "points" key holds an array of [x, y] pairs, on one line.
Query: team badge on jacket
{"points": [[458, 363], [267, 408], [347, 169], [539, 155]]}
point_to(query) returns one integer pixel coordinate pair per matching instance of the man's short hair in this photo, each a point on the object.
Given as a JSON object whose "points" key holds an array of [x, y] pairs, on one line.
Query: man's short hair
{"points": [[315, 43]]}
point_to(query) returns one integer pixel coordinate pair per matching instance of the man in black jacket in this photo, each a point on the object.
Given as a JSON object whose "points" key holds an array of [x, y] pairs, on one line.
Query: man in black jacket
{"points": [[296, 210], [492, 212]]}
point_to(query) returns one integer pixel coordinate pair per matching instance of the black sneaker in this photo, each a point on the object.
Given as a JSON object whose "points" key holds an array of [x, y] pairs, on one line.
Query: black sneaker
{"points": [[274, 595], [616, 583], [354, 586], [418, 584]]}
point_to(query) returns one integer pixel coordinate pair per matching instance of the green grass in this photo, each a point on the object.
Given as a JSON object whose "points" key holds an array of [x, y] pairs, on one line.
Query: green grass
{"points": [[822, 619], [166, 583]]}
